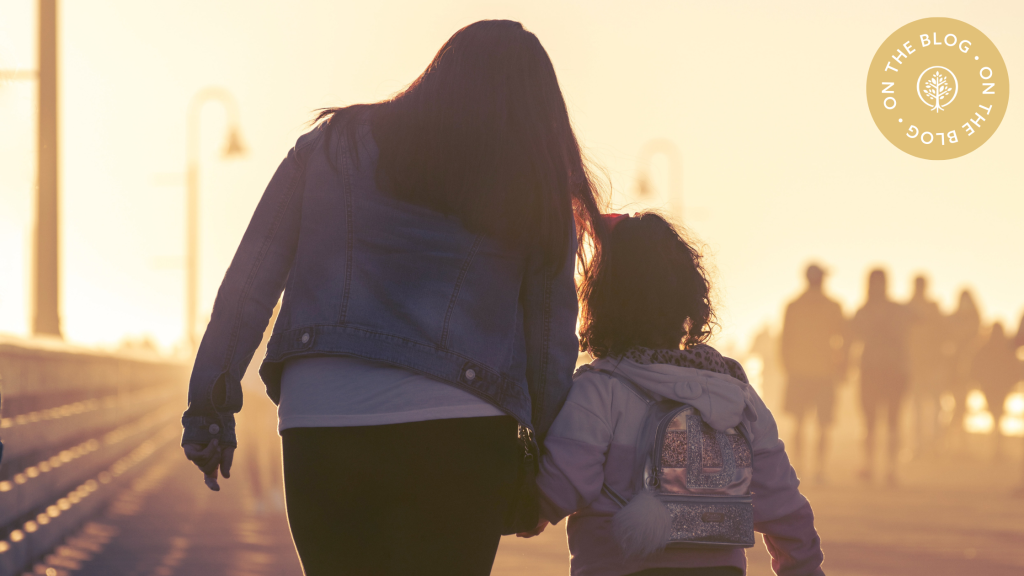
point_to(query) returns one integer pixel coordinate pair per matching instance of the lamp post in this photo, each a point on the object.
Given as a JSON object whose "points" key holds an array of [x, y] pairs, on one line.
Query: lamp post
{"points": [[667, 148], [46, 320], [46, 277], [232, 148]]}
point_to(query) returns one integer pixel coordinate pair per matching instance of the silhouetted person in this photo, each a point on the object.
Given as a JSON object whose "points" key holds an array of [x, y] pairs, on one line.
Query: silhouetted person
{"points": [[996, 370], [962, 329], [884, 328], [1018, 342], [927, 373], [773, 381], [425, 246], [813, 356]]}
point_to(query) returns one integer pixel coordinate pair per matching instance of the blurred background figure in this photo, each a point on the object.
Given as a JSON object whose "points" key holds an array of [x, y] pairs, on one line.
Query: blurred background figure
{"points": [[963, 333], [813, 354], [996, 370], [883, 326], [1019, 341], [765, 346], [1018, 344], [927, 336]]}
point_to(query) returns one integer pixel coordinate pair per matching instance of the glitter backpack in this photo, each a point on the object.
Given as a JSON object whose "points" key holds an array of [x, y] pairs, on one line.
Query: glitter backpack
{"points": [[691, 484]]}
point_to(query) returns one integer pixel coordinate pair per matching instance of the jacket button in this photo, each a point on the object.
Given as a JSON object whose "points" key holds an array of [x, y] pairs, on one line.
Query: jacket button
{"points": [[305, 337], [470, 374], [214, 428]]}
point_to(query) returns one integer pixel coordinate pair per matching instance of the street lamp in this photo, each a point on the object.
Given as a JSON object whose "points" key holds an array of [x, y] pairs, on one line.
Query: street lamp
{"points": [[233, 148], [667, 148], [46, 277]]}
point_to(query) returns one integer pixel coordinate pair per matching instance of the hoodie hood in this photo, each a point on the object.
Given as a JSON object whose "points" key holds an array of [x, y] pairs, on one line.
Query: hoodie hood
{"points": [[723, 401]]}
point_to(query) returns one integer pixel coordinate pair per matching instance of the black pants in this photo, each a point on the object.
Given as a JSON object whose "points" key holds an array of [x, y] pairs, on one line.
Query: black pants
{"points": [[417, 498]]}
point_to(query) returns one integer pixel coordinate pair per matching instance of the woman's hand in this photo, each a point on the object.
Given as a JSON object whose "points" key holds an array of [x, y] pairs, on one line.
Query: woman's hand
{"points": [[209, 458], [536, 531]]}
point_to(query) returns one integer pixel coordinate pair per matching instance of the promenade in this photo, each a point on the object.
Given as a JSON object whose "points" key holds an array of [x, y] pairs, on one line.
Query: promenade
{"points": [[952, 513], [952, 517]]}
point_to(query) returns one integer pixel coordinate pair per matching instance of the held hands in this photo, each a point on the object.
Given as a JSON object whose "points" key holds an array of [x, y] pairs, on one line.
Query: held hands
{"points": [[536, 531], [209, 459]]}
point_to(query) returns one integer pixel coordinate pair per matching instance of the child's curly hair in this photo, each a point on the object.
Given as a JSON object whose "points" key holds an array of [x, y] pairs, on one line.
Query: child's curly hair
{"points": [[649, 288]]}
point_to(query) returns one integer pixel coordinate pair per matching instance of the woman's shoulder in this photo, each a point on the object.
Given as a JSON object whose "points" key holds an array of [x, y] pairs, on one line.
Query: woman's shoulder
{"points": [[337, 128]]}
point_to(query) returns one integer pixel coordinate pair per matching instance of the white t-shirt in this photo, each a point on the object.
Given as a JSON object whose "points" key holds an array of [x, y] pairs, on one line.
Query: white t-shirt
{"points": [[339, 391]]}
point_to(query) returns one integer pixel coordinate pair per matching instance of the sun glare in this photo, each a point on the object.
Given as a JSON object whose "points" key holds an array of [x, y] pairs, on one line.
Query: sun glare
{"points": [[978, 420], [1012, 422]]}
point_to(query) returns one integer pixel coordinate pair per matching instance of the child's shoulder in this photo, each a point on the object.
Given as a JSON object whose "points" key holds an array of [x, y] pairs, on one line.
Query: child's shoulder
{"points": [[583, 369], [735, 369], [598, 379], [594, 376], [589, 374], [599, 370]]}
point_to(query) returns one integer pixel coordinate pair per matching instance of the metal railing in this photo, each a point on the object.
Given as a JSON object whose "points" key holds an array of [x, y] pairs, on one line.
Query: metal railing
{"points": [[76, 424]]}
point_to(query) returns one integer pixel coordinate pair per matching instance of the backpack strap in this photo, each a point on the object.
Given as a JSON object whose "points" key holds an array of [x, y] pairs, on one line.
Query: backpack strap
{"points": [[613, 495], [648, 399]]}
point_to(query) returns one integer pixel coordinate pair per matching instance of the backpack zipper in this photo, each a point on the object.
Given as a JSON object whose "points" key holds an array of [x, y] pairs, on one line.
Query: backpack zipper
{"points": [[659, 441]]}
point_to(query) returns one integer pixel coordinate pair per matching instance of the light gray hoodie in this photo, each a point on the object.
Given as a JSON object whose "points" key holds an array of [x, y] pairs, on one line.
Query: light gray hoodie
{"points": [[593, 441]]}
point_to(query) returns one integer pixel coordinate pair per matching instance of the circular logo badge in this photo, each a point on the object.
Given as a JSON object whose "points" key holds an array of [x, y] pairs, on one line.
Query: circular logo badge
{"points": [[938, 88]]}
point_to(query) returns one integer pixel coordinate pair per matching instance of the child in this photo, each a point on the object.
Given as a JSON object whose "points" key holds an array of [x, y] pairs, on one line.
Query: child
{"points": [[649, 295]]}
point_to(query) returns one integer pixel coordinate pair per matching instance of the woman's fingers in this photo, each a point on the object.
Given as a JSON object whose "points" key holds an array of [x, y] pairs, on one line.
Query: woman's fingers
{"points": [[227, 455], [207, 458], [210, 459], [211, 481]]}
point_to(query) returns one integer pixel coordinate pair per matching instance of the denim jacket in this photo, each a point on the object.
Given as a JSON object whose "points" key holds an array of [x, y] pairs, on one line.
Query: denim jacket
{"points": [[369, 276]]}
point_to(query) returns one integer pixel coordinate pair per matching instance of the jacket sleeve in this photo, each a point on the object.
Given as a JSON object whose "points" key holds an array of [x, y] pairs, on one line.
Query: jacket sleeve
{"points": [[245, 301], [781, 513], [550, 311], [572, 467]]}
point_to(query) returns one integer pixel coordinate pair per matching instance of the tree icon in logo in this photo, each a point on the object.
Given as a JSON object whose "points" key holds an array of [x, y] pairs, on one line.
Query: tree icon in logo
{"points": [[939, 88], [936, 89]]}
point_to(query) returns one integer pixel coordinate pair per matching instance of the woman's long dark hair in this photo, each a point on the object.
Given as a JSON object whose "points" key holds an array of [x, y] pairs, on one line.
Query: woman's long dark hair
{"points": [[484, 135], [650, 289]]}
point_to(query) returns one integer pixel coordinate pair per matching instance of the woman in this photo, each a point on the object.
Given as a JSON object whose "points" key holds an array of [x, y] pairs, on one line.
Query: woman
{"points": [[963, 333], [883, 326], [426, 246]]}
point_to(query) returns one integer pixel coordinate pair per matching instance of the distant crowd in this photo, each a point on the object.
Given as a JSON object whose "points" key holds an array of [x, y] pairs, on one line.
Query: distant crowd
{"points": [[907, 351]]}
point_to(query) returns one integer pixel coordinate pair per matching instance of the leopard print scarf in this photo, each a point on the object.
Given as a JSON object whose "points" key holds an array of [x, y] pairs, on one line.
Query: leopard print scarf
{"points": [[701, 357]]}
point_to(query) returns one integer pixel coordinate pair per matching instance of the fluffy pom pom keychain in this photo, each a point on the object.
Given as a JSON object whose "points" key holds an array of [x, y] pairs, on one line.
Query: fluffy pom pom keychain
{"points": [[643, 526]]}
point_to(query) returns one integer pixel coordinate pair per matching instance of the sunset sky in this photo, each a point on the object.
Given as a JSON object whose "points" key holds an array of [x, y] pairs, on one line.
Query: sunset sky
{"points": [[782, 163]]}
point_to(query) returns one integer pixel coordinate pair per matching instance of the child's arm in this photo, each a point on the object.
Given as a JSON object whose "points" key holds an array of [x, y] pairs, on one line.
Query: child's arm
{"points": [[781, 513], [572, 467]]}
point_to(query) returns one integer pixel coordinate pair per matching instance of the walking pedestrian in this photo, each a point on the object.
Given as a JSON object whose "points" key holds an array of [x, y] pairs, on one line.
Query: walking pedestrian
{"points": [[1018, 345], [1018, 342], [814, 354], [426, 246], [996, 371], [963, 329], [883, 326], [927, 376]]}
